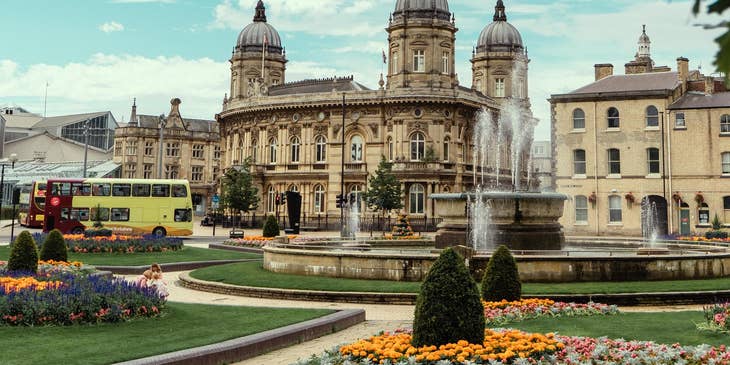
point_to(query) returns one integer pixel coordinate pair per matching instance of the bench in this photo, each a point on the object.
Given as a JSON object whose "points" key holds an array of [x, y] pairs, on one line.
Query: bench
{"points": [[235, 233]]}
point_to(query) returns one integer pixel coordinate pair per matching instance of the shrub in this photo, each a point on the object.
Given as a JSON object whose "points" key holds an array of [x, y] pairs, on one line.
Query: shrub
{"points": [[271, 227], [448, 308], [98, 232], [54, 247], [716, 234], [501, 279], [716, 224], [24, 254]]}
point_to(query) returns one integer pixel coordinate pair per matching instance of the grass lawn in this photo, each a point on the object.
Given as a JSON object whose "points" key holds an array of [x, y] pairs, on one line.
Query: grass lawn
{"points": [[253, 274], [665, 327], [186, 254], [184, 326]]}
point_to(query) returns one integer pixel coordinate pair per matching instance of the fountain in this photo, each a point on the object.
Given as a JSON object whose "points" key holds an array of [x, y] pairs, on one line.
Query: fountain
{"points": [[650, 229]]}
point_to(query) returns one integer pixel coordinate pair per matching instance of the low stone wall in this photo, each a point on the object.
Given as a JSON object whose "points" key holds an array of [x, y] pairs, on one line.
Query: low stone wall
{"points": [[174, 266]]}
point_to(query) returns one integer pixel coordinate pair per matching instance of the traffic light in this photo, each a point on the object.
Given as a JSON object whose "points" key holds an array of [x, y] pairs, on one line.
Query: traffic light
{"points": [[282, 198], [341, 201], [277, 199]]}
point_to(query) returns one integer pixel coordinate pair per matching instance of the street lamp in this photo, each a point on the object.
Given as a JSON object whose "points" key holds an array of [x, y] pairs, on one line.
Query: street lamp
{"points": [[162, 123], [3, 163], [87, 123]]}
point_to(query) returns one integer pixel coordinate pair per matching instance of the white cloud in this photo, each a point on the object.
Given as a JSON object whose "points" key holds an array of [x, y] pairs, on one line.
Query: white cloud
{"points": [[110, 27], [142, 1]]}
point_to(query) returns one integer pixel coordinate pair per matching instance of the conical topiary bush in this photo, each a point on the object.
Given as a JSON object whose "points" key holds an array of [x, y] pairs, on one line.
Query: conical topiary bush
{"points": [[54, 247], [271, 227], [501, 279], [448, 308], [24, 254]]}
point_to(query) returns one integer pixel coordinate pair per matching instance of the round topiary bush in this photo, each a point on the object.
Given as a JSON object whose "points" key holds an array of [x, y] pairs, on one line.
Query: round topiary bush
{"points": [[501, 279], [271, 227], [54, 247], [448, 308], [24, 254]]}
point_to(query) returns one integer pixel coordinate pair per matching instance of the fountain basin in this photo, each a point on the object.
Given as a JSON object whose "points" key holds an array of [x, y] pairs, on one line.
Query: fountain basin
{"points": [[519, 220]]}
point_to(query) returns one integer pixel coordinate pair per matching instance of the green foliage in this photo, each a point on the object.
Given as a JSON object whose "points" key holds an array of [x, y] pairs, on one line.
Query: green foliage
{"points": [[384, 193], [716, 234], [722, 58], [237, 189], [448, 308], [501, 279], [54, 247], [271, 227], [24, 255], [429, 155], [98, 232], [716, 224], [97, 217], [403, 228]]}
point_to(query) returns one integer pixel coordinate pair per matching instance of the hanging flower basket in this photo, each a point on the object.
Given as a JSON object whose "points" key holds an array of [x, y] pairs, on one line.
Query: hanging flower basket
{"points": [[630, 198], [592, 198], [699, 198], [677, 198]]}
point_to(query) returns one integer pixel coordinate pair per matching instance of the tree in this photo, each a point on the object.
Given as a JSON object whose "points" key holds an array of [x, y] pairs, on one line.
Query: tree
{"points": [[24, 254], [722, 58], [271, 227], [384, 193], [448, 308], [237, 190], [54, 247], [501, 278]]}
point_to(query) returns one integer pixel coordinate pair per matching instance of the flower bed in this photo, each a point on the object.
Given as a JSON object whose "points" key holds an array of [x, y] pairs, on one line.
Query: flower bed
{"points": [[702, 239], [500, 313], [716, 318], [253, 241], [117, 243]]}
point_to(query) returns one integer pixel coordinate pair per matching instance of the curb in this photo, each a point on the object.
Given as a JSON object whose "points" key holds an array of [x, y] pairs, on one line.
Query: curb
{"points": [[173, 266], [220, 246], [250, 346]]}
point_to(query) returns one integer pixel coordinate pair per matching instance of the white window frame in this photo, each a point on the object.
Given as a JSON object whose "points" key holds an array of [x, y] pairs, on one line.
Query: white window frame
{"points": [[319, 199], [499, 87], [295, 149], [416, 199], [581, 209], [320, 154], [577, 163], [356, 147], [445, 60], [656, 161], [615, 212], [418, 146], [725, 160], [419, 60], [273, 148], [580, 118]]}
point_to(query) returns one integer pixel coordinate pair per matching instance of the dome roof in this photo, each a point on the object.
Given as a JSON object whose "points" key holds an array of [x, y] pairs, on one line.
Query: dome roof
{"points": [[254, 35], [423, 8], [499, 35]]}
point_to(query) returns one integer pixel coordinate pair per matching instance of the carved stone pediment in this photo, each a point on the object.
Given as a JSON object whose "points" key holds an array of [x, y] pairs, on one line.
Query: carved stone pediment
{"points": [[295, 131], [390, 126], [336, 129], [374, 127], [272, 131], [417, 126], [320, 129]]}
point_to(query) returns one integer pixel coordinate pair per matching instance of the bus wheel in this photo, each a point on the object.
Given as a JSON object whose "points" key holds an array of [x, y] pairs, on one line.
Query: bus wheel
{"points": [[159, 232], [77, 230]]}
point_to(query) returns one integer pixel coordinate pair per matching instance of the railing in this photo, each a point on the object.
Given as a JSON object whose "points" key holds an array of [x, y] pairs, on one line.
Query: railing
{"points": [[355, 167]]}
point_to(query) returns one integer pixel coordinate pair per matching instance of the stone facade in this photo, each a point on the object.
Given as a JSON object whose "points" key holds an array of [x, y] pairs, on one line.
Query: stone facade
{"points": [[651, 136]]}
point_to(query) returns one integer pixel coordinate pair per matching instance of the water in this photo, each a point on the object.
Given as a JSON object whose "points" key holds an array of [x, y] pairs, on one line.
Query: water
{"points": [[480, 219], [649, 222], [353, 218]]}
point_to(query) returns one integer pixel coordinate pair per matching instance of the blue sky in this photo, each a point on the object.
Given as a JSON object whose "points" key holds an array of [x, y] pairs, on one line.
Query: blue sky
{"points": [[100, 54]]}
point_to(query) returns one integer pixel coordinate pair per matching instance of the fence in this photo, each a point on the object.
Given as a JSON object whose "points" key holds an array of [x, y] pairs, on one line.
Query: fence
{"points": [[326, 222]]}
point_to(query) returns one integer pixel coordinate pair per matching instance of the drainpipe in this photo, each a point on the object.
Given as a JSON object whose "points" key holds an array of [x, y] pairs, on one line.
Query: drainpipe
{"points": [[595, 163], [669, 172]]}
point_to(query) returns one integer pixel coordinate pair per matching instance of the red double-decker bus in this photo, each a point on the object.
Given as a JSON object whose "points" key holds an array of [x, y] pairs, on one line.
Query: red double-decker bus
{"points": [[32, 204]]}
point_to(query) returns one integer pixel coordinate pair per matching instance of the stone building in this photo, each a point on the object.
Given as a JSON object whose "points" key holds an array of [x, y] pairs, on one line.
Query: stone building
{"points": [[300, 135], [190, 150], [650, 148]]}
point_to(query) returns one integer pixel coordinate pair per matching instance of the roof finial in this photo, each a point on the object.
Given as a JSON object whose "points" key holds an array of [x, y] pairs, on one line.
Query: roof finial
{"points": [[499, 14], [133, 116], [643, 26], [260, 15]]}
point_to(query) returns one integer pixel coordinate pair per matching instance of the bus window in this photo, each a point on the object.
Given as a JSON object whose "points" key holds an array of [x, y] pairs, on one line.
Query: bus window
{"points": [[65, 214], [61, 189], [79, 189], [80, 214], [141, 190], [183, 215], [100, 214], [179, 191], [40, 201], [120, 214], [102, 189], [160, 190], [121, 190]]}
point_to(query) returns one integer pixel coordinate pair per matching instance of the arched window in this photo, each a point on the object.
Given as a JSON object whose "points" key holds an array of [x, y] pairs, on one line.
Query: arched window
{"points": [[579, 119], [272, 150], [614, 161], [652, 160], [652, 116], [394, 62], [447, 142], [581, 209], [239, 154], [293, 188], [614, 121], [356, 149], [320, 149], [391, 148], [725, 123], [355, 195], [295, 144], [271, 200], [319, 199], [579, 162], [254, 151], [726, 163], [614, 209], [726, 209], [703, 213], [418, 146], [416, 199]]}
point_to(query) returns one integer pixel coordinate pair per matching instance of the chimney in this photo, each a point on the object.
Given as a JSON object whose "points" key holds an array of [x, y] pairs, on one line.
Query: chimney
{"points": [[603, 70], [683, 70], [709, 85]]}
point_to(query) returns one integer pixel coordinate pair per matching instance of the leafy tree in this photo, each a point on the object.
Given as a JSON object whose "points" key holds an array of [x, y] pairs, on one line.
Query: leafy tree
{"points": [[384, 193], [271, 227], [448, 308], [54, 247], [238, 191], [501, 279], [722, 58], [24, 254]]}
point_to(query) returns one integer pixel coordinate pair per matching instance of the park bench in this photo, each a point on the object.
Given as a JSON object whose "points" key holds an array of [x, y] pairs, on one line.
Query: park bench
{"points": [[235, 233]]}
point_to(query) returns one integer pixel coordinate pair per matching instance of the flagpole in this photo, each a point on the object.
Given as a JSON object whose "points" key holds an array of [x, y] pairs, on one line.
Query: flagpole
{"points": [[263, 56]]}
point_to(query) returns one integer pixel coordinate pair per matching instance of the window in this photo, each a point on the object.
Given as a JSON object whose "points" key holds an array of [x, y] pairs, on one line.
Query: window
{"points": [[679, 121], [271, 206], [183, 215], [355, 195], [141, 190], [179, 191], [275, 82], [652, 116], [613, 118], [416, 198], [120, 214], [130, 170], [147, 171], [394, 62], [614, 161], [445, 62], [725, 124], [295, 149], [319, 197], [390, 148], [160, 190], [320, 149], [149, 148], [172, 171], [254, 151], [80, 214], [198, 150], [447, 141], [118, 148], [419, 60], [101, 189], [217, 152], [579, 119], [614, 209], [579, 162], [703, 214], [726, 163], [131, 148], [78, 189], [196, 173], [356, 149], [499, 87], [122, 190], [216, 172], [272, 150], [173, 149], [418, 145], [581, 209], [239, 155], [726, 208], [652, 160]]}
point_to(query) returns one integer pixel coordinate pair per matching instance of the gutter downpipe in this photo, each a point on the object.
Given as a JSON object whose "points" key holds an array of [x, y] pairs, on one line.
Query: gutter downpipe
{"points": [[595, 163], [669, 172]]}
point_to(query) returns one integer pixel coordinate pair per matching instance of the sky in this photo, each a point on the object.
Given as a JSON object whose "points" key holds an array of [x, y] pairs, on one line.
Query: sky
{"points": [[97, 55]]}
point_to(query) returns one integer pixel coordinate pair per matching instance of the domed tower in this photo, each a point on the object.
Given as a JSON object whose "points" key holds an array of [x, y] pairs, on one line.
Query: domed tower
{"points": [[421, 35], [258, 60], [642, 62], [499, 62]]}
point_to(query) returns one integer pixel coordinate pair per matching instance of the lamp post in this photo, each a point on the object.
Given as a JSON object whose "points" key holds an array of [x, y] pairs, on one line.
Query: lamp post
{"points": [[344, 230], [3, 163], [86, 144], [162, 124]]}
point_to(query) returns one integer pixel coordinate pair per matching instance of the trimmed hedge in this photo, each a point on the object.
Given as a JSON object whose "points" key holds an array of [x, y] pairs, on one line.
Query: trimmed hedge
{"points": [[271, 227], [24, 254], [501, 279], [54, 247]]}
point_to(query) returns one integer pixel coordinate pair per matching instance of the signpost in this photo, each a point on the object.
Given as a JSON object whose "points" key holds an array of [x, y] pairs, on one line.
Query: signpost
{"points": [[215, 204]]}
